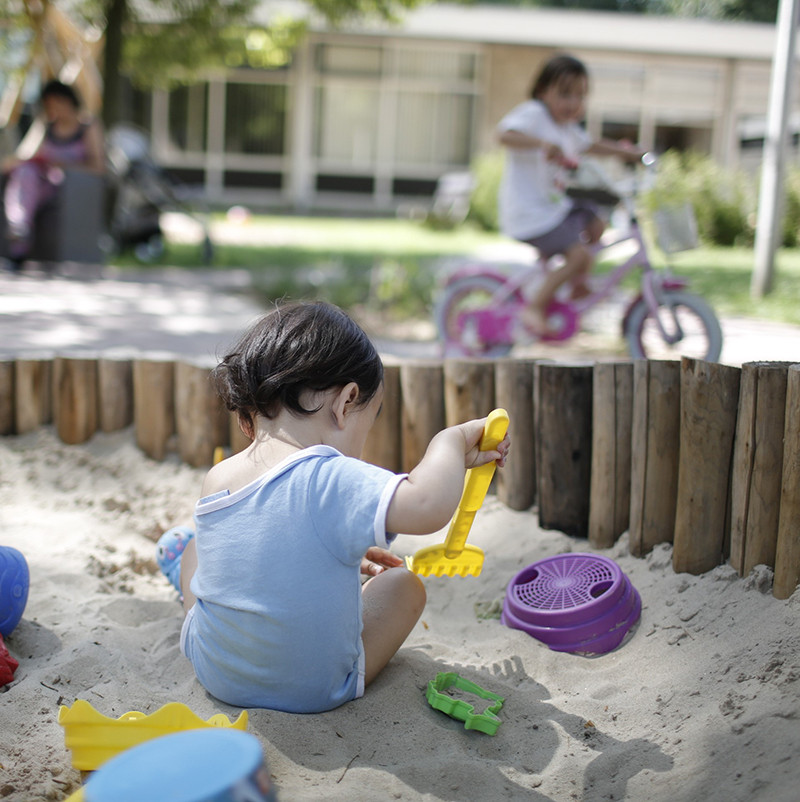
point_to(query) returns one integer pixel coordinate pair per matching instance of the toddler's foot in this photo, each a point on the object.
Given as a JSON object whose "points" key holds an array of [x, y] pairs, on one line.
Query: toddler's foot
{"points": [[169, 552], [533, 321]]}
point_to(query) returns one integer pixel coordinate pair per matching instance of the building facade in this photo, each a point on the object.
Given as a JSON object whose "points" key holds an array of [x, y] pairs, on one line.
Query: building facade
{"points": [[367, 118]]}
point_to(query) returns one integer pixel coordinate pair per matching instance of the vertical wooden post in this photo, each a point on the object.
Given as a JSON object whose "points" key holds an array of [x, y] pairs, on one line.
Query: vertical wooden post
{"points": [[757, 465], [75, 398], [153, 405], [709, 402], [384, 444], [468, 390], [563, 415], [655, 437], [33, 392], [513, 383], [115, 392], [6, 396], [787, 553], [612, 412], [201, 421], [422, 391]]}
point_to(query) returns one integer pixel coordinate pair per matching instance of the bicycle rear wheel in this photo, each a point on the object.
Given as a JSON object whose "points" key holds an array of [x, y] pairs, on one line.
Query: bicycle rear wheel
{"points": [[690, 324], [461, 332]]}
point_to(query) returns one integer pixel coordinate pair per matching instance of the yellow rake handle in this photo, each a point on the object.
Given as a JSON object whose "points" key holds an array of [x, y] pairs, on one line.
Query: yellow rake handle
{"points": [[476, 483]]}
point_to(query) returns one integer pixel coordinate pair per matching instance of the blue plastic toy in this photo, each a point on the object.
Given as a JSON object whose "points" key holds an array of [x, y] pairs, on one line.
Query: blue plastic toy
{"points": [[14, 583]]}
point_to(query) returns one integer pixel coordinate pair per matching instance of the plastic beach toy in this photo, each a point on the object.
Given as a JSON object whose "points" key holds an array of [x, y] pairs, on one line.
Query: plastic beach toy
{"points": [[454, 556], [573, 602], [451, 694], [212, 765], [14, 583], [94, 738]]}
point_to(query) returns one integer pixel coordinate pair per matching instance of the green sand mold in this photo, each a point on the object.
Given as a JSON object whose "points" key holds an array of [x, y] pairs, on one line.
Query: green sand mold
{"points": [[447, 693]]}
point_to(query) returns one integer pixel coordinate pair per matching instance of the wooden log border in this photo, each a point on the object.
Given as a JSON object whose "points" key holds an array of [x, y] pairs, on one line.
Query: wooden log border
{"points": [[677, 452]]}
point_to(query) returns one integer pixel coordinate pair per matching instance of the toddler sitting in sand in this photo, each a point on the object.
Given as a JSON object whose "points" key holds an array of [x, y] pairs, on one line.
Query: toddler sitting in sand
{"points": [[276, 615]]}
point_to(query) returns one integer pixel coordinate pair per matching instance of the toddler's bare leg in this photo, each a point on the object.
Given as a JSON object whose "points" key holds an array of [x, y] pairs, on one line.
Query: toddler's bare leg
{"points": [[392, 604], [188, 567]]}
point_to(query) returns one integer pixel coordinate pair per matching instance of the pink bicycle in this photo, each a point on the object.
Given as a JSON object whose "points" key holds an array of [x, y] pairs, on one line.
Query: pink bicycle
{"points": [[477, 312]]}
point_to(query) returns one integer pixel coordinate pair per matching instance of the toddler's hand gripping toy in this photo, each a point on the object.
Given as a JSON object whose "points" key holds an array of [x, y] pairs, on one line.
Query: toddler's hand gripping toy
{"points": [[454, 556]]}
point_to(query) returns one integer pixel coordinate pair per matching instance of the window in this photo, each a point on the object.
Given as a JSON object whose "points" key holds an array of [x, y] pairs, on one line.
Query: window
{"points": [[420, 99], [433, 128], [347, 123], [188, 118], [436, 64], [345, 60], [620, 130], [255, 119]]}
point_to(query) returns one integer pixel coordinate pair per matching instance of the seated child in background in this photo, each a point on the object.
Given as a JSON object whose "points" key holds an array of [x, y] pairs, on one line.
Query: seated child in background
{"points": [[68, 140], [277, 616]]}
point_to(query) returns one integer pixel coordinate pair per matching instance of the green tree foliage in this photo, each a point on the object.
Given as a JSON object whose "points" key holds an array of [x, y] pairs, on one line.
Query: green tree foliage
{"points": [[164, 42]]}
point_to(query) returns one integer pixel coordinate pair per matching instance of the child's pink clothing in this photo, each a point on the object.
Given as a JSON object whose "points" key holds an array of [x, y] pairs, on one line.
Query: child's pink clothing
{"points": [[34, 182]]}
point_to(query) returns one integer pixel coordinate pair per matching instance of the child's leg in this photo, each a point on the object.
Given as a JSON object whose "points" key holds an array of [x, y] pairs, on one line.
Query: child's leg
{"points": [[25, 192], [577, 263], [392, 604], [595, 227]]}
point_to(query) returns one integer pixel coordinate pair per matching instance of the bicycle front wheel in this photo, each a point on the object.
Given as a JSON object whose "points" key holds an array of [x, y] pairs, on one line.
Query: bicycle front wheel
{"points": [[459, 331], [686, 326]]}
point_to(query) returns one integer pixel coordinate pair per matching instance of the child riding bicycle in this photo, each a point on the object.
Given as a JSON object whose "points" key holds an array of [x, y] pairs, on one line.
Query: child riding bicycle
{"points": [[544, 140]]}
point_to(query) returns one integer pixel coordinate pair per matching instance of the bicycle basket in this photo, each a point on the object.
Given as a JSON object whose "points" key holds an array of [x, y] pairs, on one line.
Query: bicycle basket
{"points": [[676, 228]]}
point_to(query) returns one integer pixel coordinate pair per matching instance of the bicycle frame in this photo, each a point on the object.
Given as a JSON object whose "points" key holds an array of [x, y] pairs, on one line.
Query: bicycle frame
{"points": [[652, 283]]}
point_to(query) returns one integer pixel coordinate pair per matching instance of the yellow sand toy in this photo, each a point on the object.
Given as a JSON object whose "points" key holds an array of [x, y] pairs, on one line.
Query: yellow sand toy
{"points": [[94, 738], [454, 556]]}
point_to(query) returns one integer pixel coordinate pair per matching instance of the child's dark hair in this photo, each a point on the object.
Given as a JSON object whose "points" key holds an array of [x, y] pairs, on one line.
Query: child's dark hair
{"points": [[556, 70], [58, 89], [296, 347]]}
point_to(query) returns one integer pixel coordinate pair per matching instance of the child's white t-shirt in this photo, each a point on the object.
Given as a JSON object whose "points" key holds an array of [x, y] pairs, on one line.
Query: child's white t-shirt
{"points": [[532, 199], [278, 619]]}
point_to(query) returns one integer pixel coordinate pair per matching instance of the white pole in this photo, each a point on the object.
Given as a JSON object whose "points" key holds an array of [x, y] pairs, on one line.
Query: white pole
{"points": [[769, 200]]}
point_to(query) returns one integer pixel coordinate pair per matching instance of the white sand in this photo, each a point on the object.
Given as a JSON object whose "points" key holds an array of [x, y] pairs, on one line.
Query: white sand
{"points": [[701, 703]]}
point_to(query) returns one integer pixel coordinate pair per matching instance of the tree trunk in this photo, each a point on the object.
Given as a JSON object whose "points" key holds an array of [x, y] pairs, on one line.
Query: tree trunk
{"points": [[116, 17]]}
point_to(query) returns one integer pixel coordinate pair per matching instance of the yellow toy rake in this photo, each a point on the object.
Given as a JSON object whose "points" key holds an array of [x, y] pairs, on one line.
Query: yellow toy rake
{"points": [[454, 556]]}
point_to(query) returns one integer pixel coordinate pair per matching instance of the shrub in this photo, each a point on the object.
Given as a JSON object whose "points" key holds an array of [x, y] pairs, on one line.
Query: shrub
{"points": [[722, 199], [487, 170], [791, 213]]}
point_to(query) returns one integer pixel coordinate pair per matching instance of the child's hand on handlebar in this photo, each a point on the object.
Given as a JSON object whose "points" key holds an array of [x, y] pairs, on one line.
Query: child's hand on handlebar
{"points": [[553, 153], [474, 457]]}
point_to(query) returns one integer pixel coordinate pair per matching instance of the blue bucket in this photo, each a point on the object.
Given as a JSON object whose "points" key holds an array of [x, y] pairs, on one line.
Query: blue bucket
{"points": [[204, 765], [14, 582]]}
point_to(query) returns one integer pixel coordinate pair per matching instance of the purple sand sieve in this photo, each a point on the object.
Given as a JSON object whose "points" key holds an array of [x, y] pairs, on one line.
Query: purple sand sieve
{"points": [[573, 602]]}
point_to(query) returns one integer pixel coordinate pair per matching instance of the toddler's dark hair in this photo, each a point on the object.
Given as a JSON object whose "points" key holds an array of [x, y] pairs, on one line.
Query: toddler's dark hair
{"points": [[296, 347], [556, 70], [56, 88]]}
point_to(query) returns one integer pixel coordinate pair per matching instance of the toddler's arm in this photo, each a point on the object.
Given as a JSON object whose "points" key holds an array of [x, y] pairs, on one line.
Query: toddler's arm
{"points": [[425, 501]]}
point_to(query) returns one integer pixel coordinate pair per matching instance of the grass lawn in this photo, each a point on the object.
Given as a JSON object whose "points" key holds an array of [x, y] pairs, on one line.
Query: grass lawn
{"points": [[392, 264]]}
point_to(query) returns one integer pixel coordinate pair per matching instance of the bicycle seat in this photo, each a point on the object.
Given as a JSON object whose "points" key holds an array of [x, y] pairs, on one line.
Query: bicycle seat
{"points": [[598, 195]]}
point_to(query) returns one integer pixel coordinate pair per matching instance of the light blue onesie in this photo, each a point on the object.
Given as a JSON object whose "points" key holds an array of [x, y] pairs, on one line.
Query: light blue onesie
{"points": [[278, 621]]}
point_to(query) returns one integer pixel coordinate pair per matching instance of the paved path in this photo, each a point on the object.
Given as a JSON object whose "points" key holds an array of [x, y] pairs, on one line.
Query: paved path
{"points": [[199, 313]]}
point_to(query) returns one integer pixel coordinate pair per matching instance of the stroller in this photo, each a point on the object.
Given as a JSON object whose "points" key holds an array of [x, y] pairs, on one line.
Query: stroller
{"points": [[140, 192]]}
